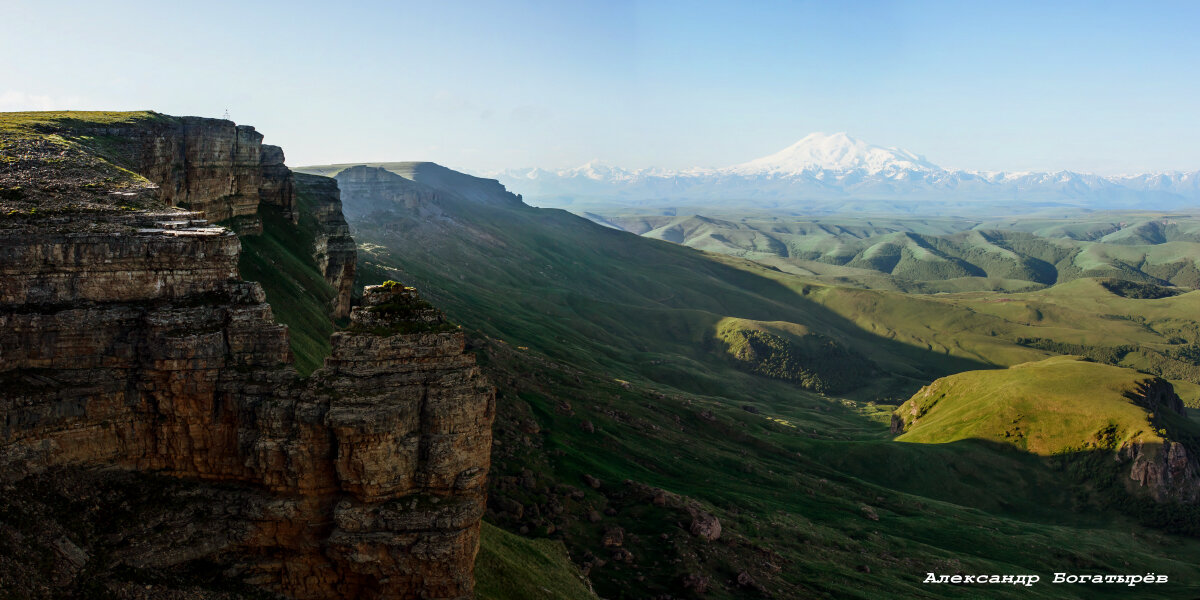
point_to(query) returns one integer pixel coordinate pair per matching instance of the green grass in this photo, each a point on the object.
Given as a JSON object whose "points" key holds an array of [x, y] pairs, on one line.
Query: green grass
{"points": [[510, 567], [39, 122], [1055, 406], [281, 260], [606, 351], [52, 162]]}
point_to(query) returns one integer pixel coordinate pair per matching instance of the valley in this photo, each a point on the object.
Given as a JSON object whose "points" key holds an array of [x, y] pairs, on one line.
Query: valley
{"points": [[773, 388], [367, 370], [638, 300]]}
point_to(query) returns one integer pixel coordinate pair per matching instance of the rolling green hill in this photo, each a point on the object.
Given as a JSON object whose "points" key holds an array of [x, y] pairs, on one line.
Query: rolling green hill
{"points": [[1049, 407], [630, 408], [945, 255]]}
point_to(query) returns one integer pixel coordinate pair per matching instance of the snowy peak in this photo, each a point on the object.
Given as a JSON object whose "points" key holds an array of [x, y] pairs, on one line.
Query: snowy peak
{"points": [[837, 168], [836, 152]]}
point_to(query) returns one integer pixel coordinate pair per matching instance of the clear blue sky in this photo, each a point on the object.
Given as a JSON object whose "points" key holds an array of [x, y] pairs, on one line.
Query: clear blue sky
{"points": [[1088, 86]]}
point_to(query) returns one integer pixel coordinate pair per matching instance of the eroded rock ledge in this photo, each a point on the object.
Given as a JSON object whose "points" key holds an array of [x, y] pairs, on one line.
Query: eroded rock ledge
{"points": [[135, 345], [372, 469]]}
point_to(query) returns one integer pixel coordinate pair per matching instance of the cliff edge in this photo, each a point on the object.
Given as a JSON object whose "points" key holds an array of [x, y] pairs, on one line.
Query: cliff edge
{"points": [[156, 437]]}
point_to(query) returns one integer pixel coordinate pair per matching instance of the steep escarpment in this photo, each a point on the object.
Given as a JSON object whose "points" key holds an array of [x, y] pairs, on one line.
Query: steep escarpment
{"points": [[142, 378], [333, 248], [208, 165]]}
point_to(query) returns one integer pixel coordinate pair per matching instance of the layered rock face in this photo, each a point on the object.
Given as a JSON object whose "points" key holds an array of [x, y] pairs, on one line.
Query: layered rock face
{"points": [[208, 165], [411, 417], [376, 188], [277, 186], [135, 345], [333, 248]]}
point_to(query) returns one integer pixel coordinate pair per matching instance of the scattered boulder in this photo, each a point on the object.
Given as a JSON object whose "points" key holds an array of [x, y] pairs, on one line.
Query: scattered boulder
{"points": [[510, 506], [592, 482], [705, 525], [745, 580], [613, 537], [696, 582]]}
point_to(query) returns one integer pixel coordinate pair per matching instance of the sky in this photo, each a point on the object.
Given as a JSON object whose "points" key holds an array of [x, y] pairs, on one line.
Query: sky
{"points": [[1099, 87]]}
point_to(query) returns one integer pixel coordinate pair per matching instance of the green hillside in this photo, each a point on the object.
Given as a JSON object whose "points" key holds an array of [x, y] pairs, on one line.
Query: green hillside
{"points": [[626, 401], [946, 255], [281, 259], [1047, 407], [510, 566]]}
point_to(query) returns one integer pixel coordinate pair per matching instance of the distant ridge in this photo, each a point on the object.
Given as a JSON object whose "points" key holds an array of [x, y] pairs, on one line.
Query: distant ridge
{"points": [[822, 172]]}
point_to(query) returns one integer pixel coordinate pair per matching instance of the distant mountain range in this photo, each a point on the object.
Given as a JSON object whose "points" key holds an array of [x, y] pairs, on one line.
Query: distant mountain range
{"points": [[838, 172]]}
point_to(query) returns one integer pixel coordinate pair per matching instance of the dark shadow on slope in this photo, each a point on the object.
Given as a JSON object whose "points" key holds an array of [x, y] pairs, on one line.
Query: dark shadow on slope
{"points": [[551, 280]]}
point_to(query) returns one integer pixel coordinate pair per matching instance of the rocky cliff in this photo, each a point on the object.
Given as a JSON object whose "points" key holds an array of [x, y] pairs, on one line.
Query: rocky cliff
{"points": [[333, 248], [208, 165], [129, 345]]}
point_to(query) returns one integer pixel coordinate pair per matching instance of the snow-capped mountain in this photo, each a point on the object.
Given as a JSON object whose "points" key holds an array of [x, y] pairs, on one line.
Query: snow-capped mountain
{"points": [[837, 152], [837, 171]]}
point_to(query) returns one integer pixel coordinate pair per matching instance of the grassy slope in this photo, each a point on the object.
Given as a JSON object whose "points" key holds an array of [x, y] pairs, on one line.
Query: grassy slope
{"points": [[510, 567], [1047, 407], [48, 163], [281, 260], [1155, 335], [793, 482]]}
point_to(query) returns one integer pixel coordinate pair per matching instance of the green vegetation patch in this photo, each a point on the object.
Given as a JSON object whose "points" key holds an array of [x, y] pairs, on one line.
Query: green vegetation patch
{"points": [[792, 353], [281, 261], [509, 566], [1140, 291], [1049, 407]]}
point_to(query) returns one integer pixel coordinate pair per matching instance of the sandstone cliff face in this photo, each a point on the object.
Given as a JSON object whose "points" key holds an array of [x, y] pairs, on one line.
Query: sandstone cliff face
{"points": [[333, 248], [277, 186], [135, 345], [375, 189], [208, 165]]}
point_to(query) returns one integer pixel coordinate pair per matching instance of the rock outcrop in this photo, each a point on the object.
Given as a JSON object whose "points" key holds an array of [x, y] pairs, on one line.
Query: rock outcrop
{"points": [[208, 165], [1167, 469], [333, 248], [128, 341]]}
